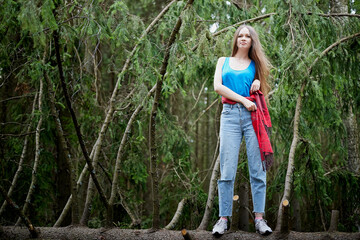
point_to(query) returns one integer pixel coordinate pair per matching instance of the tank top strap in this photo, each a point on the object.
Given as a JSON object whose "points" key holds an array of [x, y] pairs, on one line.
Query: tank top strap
{"points": [[226, 64]]}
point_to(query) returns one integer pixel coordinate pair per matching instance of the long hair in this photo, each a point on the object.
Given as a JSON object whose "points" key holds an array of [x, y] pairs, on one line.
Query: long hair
{"points": [[256, 53]]}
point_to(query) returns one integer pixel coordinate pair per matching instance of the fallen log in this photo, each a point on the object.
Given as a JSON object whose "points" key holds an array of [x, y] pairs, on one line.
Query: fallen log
{"points": [[82, 233]]}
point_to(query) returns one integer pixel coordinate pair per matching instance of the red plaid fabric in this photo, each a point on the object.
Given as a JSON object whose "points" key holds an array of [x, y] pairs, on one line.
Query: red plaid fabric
{"points": [[262, 125]]}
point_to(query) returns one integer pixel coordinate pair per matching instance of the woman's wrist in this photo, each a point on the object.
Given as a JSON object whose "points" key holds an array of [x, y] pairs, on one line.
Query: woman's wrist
{"points": [[241, 99]]}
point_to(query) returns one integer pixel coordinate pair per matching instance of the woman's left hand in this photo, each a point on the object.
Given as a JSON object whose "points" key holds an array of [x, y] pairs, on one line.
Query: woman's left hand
{"points": [[255, 86]]}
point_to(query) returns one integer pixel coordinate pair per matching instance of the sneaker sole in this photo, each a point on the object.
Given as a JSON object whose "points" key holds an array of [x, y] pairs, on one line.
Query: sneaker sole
{"points": [[265, 233], [217, 234]]}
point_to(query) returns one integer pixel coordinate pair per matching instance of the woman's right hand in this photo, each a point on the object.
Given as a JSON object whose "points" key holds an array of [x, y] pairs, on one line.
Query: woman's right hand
{"points": [[250, 106]]}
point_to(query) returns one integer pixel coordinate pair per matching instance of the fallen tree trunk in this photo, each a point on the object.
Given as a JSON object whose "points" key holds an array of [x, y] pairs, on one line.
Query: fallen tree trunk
{"points": [[83, 233]]}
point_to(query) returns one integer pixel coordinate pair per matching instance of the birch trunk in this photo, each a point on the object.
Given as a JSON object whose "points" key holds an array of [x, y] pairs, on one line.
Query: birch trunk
{"points": [[290, 168], [212, 190], [110, 111], [353, 161], [114, 185], [23, 153], [152, 124], [177, 215], [37, 157]]}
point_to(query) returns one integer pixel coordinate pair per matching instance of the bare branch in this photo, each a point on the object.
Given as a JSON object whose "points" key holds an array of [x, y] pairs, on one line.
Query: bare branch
{"points": [[18, 97], [335, 14]]}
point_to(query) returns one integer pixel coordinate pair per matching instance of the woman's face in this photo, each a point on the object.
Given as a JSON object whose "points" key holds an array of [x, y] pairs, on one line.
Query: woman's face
{"points": [[244, 39]]}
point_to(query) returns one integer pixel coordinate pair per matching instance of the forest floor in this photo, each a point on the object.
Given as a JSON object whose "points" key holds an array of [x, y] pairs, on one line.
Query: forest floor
{"points": [[80, 233]]}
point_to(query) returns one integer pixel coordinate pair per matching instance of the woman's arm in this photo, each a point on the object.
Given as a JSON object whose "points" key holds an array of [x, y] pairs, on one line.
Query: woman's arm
{"points": [[225, 91]]}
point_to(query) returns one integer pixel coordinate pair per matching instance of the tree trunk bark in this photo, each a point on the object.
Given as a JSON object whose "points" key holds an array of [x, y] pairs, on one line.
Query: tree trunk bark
{"points": [[334, 220], [211, 195], [289, 172], [75, 214], [97, 76], [244, 206], [69, 201], [23, 153], [62, 179], [353, 161], [177, 215], [339, 6], [37, 156], [186, 235], [64, 147], [285, 217], [152, 124], [297, 215], [114, 185], [240, 213]]}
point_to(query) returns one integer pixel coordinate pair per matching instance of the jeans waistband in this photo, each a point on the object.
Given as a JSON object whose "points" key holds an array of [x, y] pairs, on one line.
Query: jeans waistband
{"points": [[238, 105]]}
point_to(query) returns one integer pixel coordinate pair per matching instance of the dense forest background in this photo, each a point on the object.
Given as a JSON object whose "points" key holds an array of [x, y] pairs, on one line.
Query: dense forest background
{"points": [[128, 87]]}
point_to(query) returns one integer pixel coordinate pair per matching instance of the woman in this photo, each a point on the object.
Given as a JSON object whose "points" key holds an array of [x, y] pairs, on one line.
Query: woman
{"points": [[238, 80]]}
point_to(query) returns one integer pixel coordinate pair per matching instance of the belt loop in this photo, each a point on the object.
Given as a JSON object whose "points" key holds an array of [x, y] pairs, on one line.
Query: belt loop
{"points": [[231, 106]]}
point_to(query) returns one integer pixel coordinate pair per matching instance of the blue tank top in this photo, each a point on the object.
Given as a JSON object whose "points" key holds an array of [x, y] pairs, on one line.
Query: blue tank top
{"points": [[238, 81]]}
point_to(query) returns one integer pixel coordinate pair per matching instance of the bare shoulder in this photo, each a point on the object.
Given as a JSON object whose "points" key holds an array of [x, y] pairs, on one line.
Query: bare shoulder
{"points": [[221, 61]]}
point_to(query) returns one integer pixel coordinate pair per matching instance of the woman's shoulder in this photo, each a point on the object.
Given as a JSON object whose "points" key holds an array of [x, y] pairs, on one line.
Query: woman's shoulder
{"points": [[221, 60]]}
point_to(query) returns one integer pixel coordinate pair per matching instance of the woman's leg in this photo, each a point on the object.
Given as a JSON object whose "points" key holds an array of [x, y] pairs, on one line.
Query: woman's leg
{"points": [[256, 172], [230, 139], [257, 175]]}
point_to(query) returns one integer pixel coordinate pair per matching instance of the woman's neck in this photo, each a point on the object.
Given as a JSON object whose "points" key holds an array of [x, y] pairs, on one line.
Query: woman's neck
{"points": [[242, 54]]}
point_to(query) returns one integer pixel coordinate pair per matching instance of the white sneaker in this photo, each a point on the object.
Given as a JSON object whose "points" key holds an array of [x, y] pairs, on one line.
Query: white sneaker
{"points": [[262, 227], [220, 227]]}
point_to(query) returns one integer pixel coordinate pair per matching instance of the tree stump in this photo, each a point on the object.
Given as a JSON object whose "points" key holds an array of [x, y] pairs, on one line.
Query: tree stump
{"points": [[334, 221], [285, 217], [186, 235], [235, 214]]}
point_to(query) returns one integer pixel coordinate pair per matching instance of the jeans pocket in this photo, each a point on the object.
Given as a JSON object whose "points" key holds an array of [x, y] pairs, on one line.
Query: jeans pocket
{"points": [[225, 111]]}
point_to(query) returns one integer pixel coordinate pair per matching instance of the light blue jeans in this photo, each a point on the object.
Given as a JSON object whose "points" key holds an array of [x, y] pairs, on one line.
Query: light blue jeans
{"points": [[234, 124]]}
